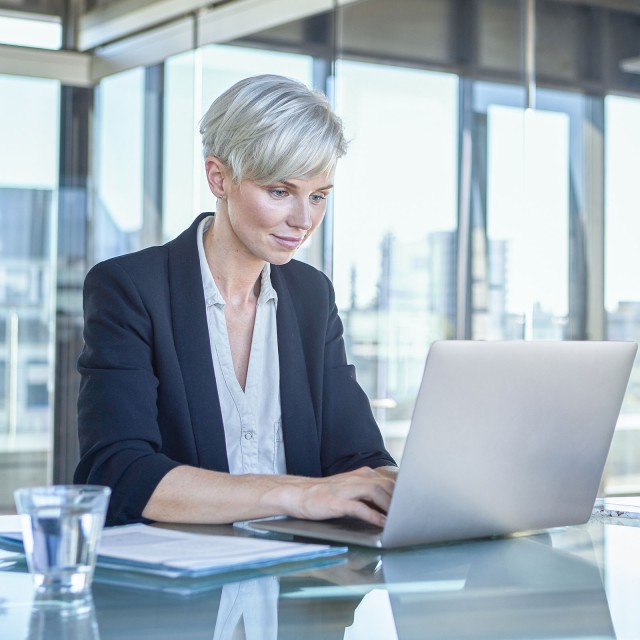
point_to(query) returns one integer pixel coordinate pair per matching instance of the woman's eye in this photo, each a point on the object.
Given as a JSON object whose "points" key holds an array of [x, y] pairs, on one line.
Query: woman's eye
{"points": [[278, 193], [318, 197]]}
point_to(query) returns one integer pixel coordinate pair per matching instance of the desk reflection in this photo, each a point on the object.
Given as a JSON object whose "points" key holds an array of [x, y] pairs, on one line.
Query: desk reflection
{"points": [[47, 622], [248, 610], [507, 588]]}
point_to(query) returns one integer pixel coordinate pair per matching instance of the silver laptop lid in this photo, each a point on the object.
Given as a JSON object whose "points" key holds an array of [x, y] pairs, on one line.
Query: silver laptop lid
{"points": [[507, 437]]}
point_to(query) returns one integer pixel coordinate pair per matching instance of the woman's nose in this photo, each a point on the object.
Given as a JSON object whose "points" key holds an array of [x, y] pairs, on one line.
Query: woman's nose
{"points": [[302, 216]]}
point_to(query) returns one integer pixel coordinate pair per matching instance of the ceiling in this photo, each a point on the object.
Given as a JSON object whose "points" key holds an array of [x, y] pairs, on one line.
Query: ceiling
{"points": [[123, 7]]}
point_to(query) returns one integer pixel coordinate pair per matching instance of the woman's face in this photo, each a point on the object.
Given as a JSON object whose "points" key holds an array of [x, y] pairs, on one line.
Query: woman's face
{"points": [[271, 222]]}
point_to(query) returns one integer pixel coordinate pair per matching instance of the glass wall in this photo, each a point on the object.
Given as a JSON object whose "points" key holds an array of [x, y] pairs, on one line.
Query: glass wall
{"points": [[411, 81], [394, 242], [118, 165], [460, 211], [532, 194], [395, 237], [29, 114], [526, 210], [521, 228], [622, 284]]}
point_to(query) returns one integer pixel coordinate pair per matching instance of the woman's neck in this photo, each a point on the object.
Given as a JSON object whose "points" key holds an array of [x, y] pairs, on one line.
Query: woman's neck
{"points": [[236, 272]]}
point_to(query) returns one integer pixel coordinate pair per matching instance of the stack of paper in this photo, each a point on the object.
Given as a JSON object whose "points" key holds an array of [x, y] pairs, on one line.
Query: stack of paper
{"points": [[175, 553], [145, 556]]}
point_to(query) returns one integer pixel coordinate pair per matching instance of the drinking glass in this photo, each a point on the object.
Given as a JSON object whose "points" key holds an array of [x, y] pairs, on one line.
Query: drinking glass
{"points": [[61, 528]]}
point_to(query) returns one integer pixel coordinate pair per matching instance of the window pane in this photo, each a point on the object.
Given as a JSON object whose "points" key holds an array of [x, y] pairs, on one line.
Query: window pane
{"points": [[25, 32], [395, 229], [622, 283], [28, 193], [526, 292], [180, 144], [119, 164]]}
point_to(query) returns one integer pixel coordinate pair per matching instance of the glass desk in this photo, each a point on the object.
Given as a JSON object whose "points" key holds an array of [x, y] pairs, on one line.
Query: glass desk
{"points": [[575, 582]]}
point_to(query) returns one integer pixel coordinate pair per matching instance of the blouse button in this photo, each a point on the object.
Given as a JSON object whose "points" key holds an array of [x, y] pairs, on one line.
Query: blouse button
{"points": [[248, 435]]}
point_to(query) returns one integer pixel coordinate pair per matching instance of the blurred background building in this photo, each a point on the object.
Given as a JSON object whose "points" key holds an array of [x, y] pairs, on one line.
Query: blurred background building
{"points": [[491, 190]]}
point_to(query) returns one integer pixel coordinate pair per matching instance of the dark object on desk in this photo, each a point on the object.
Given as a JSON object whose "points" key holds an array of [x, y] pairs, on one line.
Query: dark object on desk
{"points": [[505, 437]]}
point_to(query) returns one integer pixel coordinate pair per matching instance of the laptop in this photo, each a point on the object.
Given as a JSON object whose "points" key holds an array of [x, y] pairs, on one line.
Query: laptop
{"points": [[505, 437]]}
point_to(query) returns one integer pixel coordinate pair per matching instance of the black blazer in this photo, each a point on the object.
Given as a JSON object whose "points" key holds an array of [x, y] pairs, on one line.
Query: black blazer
{"points": [[148, 399]]}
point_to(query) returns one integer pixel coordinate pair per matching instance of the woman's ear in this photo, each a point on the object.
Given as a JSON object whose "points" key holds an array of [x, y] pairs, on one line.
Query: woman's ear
{"points": [[217, 175]]}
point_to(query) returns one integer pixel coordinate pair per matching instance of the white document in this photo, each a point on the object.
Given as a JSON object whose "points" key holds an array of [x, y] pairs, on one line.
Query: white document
{"points": [[167, 551], [10, 524], [618, 507]]}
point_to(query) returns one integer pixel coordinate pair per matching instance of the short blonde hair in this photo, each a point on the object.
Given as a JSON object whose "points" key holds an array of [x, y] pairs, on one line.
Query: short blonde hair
{"points": [[270, 128]]}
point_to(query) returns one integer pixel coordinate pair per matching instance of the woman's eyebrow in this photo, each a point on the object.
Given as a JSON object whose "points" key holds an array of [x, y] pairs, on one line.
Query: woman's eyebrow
{"points": [[293, 186]]}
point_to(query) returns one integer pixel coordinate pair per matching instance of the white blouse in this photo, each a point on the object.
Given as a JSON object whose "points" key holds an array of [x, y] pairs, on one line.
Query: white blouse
{"points": [[252, 418]]}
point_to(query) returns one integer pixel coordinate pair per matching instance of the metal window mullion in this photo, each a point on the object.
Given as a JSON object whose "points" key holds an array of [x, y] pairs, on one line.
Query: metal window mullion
{"points": [[594, 176], [465, 193], [324, 80], [13, 355], [76, 109], [153, 156]]}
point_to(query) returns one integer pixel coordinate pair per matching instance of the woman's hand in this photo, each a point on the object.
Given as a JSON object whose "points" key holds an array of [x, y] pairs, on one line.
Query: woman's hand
{"points": [[363, 493], [200, 496]]}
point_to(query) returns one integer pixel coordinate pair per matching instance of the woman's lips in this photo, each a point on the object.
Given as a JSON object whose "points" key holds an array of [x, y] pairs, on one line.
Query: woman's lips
{"points": [[288, 241]]}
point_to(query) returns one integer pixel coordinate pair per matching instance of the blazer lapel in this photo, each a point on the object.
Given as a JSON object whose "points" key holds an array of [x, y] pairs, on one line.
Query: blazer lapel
{"points": [[191, 337], [301, 434]]}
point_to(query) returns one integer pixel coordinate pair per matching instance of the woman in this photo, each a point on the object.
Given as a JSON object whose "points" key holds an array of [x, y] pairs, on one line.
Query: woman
{"points": [[215, 386]]}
